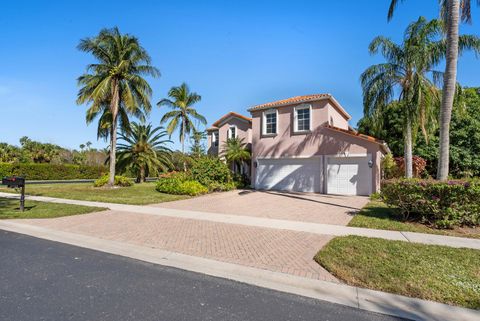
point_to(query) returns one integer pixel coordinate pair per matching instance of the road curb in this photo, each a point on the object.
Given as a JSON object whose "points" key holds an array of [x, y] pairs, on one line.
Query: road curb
{"points": [[364, 299]]}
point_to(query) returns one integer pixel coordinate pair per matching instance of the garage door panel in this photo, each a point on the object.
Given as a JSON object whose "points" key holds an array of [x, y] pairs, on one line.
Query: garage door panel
{"points": [[348, 176], [302, 175]]}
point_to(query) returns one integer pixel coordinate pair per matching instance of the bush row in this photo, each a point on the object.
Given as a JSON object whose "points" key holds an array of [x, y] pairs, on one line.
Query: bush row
{"points": [[46, 171], [180, 183], [442, 204], [118, 181]]}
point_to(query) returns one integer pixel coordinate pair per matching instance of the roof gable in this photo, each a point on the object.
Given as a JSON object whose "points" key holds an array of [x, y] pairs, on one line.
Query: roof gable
{"points": [[231, 114]]}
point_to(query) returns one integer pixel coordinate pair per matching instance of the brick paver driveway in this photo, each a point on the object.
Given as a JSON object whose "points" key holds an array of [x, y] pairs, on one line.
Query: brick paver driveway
{"points": [[280, 250], [271, 249], [315, 208]]}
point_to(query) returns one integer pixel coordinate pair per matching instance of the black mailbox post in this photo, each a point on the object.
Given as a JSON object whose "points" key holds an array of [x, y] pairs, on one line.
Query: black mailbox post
{"points": [[16, 182]]}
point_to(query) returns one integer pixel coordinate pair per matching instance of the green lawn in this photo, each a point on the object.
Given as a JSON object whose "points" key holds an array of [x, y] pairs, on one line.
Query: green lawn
{"points": [[378, 215], [137, 194], [9, 208], [430, 272]]}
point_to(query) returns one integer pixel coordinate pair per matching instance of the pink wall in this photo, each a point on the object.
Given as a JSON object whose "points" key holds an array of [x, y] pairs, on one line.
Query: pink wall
{"points": [[244, 131], [319, 141]]}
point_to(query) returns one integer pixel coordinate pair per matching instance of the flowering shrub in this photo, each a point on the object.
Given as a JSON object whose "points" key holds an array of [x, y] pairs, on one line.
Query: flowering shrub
{"points": [[442, 204], [418, 166]]}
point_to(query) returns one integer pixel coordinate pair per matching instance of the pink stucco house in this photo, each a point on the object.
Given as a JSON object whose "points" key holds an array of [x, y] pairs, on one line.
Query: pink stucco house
{"points": [[305, 144]]}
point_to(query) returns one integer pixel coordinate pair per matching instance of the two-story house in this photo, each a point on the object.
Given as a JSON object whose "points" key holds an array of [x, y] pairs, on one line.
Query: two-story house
{"points": [[305, 144], [230, 125]]}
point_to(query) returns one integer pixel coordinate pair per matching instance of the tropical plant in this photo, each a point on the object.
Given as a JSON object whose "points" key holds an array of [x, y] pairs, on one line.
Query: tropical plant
{"points": [[143, 151], [236, 152], [450, 13], [406, 70], [181, 117], [197, 148], [114, 87]]}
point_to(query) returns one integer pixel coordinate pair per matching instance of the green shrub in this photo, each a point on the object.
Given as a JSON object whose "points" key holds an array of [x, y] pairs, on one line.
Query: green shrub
{"points": [[178, 183], [119, 181], [210, 172], [443, 204], [48, 171]]}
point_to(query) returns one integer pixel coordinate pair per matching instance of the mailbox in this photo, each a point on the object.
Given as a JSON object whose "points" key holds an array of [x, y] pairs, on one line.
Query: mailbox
{"points": [[14, 181]]}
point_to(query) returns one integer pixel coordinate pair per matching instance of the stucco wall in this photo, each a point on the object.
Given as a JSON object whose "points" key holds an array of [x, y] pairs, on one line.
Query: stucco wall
{"points": [[244, 132], [319, 141]]}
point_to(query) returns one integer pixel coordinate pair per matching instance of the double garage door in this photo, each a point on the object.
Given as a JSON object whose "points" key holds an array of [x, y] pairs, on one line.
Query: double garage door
{"points": [[324, 174]]}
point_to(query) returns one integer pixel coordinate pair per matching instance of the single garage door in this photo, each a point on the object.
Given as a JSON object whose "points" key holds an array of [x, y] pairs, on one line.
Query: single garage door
{"points": [[349, 175], [290, 174]]}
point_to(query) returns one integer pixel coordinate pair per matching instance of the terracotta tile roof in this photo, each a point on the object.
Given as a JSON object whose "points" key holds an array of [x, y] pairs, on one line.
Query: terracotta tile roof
{"points": [[301, 99], [230, 114], [212, 128], [362, 136]]}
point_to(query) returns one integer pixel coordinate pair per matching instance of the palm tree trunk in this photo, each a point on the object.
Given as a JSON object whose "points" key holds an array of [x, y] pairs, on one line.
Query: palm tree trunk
{"points": [[449, 83], [113, 135], [142, 174], [408, 158]]}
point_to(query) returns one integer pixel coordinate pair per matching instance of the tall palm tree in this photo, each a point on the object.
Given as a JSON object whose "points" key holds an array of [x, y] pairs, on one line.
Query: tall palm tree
{"points": [[236, 152], [181, 101], [450, 12], [143, 150], [114, 87], [406, 71]]}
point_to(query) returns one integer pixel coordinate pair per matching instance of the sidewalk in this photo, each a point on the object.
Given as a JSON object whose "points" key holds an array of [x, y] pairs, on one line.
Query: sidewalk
{"points": [[314, 228], [360, 298]]}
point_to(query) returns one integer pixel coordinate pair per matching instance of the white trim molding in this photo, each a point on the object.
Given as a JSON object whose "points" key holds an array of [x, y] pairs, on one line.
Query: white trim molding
{"points": [[295, 118], [264, 122]]}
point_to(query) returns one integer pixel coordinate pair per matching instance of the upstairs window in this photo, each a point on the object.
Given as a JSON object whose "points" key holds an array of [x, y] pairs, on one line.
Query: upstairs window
{"points": [[302, 119], [232, 132], [215, 139], [270, 122]]}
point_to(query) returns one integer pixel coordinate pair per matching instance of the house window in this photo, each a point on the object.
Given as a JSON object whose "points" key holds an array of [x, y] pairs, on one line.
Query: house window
{"points": [[232, 132], [302, 119], [215, 139], [270, 122]]}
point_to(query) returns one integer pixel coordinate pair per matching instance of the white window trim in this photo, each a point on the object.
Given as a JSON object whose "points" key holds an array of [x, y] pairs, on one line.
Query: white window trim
{"points": [[214, 138], [229, 132], [295, 118], [264, 122]]}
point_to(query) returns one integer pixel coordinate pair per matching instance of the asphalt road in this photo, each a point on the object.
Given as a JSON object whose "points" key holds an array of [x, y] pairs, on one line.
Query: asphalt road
{"points": [[44, 280]]}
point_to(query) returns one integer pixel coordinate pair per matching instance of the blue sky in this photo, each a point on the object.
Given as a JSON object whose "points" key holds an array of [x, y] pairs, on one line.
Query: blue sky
{"points": [[234, 53]]}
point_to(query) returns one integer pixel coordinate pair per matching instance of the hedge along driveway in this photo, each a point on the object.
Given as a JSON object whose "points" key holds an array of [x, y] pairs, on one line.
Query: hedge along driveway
{"points": [[138, 194], [51, 171]]}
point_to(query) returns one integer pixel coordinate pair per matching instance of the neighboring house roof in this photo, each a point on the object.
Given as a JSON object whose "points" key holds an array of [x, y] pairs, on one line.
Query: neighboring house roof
{"points": [[219, 122], [362, 136], [302, 99]]}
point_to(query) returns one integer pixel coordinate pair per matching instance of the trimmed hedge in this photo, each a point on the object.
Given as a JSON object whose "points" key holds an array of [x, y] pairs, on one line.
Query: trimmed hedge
{"points": [[118, 181], [179, 183], [442, 204], [46, 171]]}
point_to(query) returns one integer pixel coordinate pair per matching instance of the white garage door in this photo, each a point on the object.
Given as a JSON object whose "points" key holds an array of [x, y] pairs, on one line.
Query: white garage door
{"points": [[290, 174], [349, 175]]}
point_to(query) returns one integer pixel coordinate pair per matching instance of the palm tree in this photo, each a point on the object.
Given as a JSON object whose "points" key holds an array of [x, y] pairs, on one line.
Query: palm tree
{"points": [[114, 87], [197, 148], [406, 70], [143, 150], [235, 152], [450, 12], [181, 101]]}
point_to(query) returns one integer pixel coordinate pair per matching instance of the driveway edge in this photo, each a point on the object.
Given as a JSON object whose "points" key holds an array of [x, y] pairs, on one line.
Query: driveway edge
{"points": [[365, 299]]}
